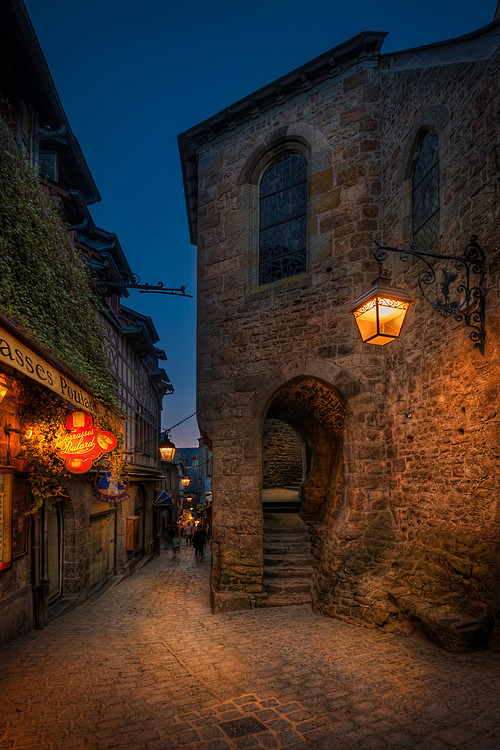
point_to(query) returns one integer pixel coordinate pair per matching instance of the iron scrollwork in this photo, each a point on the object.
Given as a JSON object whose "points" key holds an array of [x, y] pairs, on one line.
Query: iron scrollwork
{"points": [[461, 284], [114, 277]]}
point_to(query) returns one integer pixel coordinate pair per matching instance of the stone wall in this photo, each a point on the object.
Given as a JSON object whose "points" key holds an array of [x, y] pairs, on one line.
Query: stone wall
{"points": [[411, 526], [282, 455]]}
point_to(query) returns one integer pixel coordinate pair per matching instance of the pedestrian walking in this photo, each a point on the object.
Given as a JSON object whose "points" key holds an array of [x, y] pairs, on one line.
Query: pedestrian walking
{"points": [[176, 543], [199, 539], [188, 532]]}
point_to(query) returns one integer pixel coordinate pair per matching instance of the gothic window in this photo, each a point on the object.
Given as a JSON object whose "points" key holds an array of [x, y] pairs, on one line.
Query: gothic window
{"points": [[425, 193], [283, 219]]}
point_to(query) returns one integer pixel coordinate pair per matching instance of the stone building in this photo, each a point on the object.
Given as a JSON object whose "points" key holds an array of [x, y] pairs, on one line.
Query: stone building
{"points": [[287, 192], [75, 544]]}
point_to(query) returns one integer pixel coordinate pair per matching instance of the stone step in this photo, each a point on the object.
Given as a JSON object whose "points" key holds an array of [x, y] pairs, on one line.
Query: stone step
{"points": [[304, 573], [286, 549], [277, 600], [292, 560], [294, 536], [288, 586], [281, 507]]}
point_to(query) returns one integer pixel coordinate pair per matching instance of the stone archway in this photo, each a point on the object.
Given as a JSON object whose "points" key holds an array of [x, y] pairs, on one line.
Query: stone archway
{"points": [[316, 412], [303, 428]]}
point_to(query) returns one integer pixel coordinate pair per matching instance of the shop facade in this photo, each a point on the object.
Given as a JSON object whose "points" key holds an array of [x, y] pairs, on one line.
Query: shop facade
{"points": [[70, 354]]}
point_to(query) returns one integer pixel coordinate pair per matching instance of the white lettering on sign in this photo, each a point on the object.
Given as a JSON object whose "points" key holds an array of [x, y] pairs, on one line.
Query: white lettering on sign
{"points": [[15, 354]]}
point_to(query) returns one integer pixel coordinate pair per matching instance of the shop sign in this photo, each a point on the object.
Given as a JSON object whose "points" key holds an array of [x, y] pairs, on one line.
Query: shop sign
{"points": [[109, 489], [84, 443], [23, 359]]}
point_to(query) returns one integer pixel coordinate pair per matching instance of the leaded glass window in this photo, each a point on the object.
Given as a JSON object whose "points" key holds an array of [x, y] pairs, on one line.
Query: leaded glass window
{"points": [[425, 193], [283, 219]]}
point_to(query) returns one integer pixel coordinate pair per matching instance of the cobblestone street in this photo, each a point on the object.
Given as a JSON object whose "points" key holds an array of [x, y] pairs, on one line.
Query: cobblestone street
{"points": [[148, 666]]}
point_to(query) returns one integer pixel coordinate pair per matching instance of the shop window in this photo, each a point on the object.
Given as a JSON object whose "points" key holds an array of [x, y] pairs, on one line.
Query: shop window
{"points": [[5, 521], [425, 193], [283, 219]]}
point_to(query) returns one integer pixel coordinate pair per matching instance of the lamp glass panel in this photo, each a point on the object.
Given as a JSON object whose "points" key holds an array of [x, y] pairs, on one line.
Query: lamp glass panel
{"points": [[366, 319], [167, 453], [391, 315]]}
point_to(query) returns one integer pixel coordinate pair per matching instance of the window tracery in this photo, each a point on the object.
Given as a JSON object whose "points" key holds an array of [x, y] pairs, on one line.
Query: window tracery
{"points": [[283, 219], [425, 193]]}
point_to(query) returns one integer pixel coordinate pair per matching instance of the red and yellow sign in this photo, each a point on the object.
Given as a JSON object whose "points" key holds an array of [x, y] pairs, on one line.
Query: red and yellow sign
{"points": [[84, 443]]}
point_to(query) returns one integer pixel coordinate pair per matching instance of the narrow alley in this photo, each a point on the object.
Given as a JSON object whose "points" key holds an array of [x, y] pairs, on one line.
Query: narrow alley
{"points": [[148, 666]]}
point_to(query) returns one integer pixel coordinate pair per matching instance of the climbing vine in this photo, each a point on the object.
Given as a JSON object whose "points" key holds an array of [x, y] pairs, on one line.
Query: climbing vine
{"points": [[44, 287]]}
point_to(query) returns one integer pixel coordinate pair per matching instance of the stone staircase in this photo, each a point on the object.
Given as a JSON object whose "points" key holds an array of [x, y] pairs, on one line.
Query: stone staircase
{"points": [[287, 560], [282, 499]]}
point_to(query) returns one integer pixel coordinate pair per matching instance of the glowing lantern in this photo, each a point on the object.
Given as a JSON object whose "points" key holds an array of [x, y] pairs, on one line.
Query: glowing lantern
{"points": [[380, 312], [4, 388], [185, 481], [167, 449]]}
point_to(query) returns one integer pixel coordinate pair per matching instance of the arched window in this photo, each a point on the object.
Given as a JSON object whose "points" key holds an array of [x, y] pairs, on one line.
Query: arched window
{"points": [[283, 218], [425, 193]]}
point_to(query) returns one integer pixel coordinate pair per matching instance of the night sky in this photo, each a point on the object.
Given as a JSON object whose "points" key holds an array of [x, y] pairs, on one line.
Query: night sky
{"points": [[133, 75]]}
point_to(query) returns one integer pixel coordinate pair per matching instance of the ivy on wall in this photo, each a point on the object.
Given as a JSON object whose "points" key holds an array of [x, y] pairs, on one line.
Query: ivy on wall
{"points": [[44, 288]]}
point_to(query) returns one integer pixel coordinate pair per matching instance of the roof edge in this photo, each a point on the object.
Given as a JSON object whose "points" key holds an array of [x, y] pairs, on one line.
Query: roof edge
{"points": [[33, 44], [454, 40], [365, 46]]}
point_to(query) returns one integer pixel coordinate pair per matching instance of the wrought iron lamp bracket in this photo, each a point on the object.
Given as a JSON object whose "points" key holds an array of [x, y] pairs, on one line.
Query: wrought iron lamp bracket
{"points": [[462, 288], [132, 281]]}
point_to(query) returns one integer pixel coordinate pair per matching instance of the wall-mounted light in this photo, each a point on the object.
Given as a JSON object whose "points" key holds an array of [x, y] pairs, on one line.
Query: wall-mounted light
{"points": [[185, 481], [167, 448], [4, 388], [380, 312], [459, 292]]}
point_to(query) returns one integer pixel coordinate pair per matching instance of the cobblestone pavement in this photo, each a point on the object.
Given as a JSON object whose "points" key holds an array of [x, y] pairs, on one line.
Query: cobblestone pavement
{"points": [[147, 666]]}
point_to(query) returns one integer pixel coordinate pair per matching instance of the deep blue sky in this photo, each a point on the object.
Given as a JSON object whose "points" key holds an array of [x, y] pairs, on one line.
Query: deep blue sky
{"points": [[132, 75]]}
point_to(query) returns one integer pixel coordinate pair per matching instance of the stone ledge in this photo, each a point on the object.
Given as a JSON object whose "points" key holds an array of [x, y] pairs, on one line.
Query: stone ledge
{"points": [[452, 629]]}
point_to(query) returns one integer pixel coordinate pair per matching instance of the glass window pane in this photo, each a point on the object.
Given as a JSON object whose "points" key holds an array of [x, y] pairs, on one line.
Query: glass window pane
{"points": [[283, 239], [428, 156], [426, 199], [425, 194], [284, 172], [283, 206], [283, 223], [281, 268]]}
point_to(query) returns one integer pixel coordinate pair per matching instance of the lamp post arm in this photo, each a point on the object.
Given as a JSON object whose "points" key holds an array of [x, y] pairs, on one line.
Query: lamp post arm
{"points": [[461, 288]]}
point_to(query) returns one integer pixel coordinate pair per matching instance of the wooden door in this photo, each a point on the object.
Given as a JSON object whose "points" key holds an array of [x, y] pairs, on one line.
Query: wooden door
{"points": [[101, 547]]}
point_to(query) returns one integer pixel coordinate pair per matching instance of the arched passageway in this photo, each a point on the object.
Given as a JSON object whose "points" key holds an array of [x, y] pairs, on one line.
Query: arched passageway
{"points": [[302, 481]]}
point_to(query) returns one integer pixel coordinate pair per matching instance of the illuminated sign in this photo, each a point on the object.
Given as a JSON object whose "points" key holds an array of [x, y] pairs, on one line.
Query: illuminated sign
{"points": [[110, 489], [23, 359], [84, 443]]}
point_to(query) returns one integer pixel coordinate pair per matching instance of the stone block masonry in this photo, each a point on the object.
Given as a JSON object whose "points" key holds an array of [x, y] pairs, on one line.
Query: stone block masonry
{"points": [[402, 497]]}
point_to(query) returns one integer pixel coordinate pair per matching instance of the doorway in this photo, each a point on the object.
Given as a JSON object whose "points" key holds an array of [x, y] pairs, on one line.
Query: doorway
{"points": [[102, 547], [302, 482]]}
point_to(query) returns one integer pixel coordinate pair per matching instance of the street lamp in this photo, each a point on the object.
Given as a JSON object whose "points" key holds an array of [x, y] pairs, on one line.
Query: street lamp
{"points": [[167, 448], [380, 312], [459, 293], [185, 481]]}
